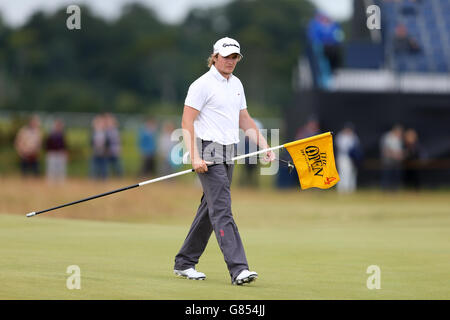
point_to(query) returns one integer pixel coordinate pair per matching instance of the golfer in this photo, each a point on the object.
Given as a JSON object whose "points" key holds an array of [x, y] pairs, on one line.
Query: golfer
{"points": [[215, 108]]}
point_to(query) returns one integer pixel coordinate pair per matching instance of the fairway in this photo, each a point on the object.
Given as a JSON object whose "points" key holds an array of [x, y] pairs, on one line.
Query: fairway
{"points": [[304, 244]]}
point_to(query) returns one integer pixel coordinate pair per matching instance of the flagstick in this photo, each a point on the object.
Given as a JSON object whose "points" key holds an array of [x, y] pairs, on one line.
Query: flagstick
{"points": [[165, 177], [257, 152]]}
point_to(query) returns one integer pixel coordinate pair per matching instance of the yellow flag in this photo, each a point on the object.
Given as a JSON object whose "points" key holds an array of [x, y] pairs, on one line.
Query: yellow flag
{"points": [[314, 160]]}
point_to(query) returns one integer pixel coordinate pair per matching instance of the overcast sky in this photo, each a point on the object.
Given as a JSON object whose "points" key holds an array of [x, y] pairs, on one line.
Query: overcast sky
{"points": [[16, 12]]}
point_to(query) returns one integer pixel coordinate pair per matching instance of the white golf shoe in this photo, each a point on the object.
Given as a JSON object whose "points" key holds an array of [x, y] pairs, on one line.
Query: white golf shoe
{"points": [[245, 277], [190, 274]]}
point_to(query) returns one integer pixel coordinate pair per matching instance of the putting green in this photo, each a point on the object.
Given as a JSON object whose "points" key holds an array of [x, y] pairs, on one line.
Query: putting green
{"points": [[317, 246]]}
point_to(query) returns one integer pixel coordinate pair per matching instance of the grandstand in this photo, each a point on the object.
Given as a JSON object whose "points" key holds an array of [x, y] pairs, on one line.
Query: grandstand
{"points": [[411, 52], [428, 23], [398, 74]]}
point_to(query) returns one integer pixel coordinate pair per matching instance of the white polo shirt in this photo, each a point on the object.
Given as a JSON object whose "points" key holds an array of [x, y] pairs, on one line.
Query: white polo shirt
{"points": [[219, 101]]}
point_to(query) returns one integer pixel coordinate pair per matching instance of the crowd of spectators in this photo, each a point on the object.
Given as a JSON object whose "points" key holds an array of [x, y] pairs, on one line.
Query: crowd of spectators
{"points": [[400, 152], [28, 144], [33, 145]]}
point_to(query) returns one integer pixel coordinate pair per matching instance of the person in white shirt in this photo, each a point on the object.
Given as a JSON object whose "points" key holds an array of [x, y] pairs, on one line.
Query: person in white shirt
{"points": [[215, 109], [392, 155], [346, 142]]}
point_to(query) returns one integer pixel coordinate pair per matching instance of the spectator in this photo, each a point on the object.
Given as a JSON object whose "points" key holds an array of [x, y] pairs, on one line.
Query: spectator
{"points": [[391, 157], [348, 158], [147, 147], [56, 158], [326, 36], [28, 144], [412, 155], [249, 175], [310, 129], [113, 145], [249, 172], [165, 145], [403, 43], [98, 144]]}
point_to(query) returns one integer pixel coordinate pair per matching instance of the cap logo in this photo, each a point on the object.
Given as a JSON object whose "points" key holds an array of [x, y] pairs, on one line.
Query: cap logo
{"points": [[230, 45]]}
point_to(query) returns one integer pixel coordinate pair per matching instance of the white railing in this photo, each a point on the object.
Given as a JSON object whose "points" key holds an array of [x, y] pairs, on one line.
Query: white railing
{"points": [[389, 81]]}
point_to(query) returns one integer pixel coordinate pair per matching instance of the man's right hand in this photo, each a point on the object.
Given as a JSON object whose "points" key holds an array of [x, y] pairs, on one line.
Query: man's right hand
{"points": [[199, 165]]}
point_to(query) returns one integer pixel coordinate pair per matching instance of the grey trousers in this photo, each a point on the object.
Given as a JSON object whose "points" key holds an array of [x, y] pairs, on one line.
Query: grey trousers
{"points": [[214, 214]]}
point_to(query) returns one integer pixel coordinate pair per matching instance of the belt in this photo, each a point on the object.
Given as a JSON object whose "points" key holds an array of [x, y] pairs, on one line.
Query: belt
{"points": [[216, 152]]}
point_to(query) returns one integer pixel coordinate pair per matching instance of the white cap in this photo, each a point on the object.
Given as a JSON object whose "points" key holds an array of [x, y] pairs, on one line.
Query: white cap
{"points": [[227, 46]]}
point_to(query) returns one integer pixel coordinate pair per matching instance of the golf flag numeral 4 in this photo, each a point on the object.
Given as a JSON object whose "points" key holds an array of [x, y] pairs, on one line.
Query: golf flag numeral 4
{"points": [[314, 160]]}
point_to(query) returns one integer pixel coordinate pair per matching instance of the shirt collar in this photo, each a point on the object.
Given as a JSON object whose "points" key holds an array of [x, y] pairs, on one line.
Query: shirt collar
{"points": [[217, 74]]}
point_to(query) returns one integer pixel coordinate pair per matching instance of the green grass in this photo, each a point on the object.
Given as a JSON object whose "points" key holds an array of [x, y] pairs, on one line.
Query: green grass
{"points": [[304, 245]]}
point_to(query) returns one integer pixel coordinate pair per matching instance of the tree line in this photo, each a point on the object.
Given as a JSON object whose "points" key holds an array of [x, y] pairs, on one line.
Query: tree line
{"points": [[138, 63]]}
